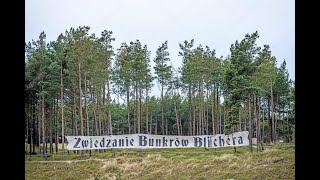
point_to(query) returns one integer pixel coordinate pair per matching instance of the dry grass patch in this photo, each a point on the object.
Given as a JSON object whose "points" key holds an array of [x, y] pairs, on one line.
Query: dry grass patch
{"points": [[173, 164]]}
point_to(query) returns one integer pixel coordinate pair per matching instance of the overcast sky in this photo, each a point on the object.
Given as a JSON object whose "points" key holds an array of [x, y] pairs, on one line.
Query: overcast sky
{"points": [[215, 23]]}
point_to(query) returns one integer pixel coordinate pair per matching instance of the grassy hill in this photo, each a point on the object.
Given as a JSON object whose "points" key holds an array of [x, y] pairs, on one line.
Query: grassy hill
{"points": [[276, 162]]}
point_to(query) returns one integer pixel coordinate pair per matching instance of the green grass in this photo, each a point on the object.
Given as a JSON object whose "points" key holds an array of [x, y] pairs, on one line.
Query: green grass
{"points": [[276, 162]]}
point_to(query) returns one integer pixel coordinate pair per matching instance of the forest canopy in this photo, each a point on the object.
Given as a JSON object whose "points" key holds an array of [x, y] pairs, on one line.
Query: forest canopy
{"points": [[80, 84]]}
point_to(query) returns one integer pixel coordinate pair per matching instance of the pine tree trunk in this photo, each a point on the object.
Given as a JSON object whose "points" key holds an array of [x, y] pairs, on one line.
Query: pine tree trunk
{"points": [[62, 111], [177, 118], [134, 116], [244, 115], [27, 124], [109, 108], [31, 129], [50, 129], [249, 121], [194, 115], [258, 124], [255, 111], [262, 139], [181, 132], [270, 124], [43, 129], [212, 112], [34, 132], [204, 122], [74, 117], [218, 110], [227, 118], [109, 113], [74, 129], [239, 119], [202, 110], [80, 103], [85, 103], [39, 125], [103, 94], [255, 118], [156, 126], [138, 107], [147, 113], [288, 127], [275, 119], [279, 117], [104, 121], [272, 109], [93, 110], [283, 109], [100, 129], [128, 109], [162, 121], [136, 104], [47, 133], [99, 118], [199, 111], [224, 118], [86, 106], [150, 129], [190, 132], [56, 125], [207, 118]]}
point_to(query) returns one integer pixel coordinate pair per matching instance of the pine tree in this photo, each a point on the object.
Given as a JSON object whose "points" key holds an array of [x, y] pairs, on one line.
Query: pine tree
{"points": [[163, 73]]}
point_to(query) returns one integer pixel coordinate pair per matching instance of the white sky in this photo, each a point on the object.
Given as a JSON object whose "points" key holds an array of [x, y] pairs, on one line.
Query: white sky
{"points": [[215, 23]]}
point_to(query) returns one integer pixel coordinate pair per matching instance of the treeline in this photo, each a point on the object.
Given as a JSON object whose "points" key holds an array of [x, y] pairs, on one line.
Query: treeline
{"points": [[79, 85]]}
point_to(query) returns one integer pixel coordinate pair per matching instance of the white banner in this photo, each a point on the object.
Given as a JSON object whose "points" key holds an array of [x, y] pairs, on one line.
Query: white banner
{"points": [[157, 141]]}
